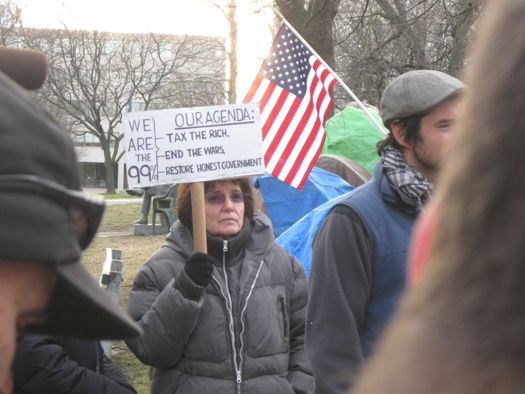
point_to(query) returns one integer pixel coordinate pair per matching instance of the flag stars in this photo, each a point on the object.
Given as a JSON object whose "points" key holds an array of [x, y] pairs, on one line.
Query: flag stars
{"points": [[288, 65]]}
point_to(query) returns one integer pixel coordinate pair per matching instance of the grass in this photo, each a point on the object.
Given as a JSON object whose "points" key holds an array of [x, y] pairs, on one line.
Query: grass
{"points": [[135, 251], [120, 217], [136, 372], [110, 196]]}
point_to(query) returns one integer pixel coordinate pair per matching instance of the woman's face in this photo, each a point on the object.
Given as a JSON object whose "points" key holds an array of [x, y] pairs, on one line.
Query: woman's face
{"points": [[224, 205]]}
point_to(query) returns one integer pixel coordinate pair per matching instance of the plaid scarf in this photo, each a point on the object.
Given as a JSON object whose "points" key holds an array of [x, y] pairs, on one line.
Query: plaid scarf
{"points": [[412, 186]]}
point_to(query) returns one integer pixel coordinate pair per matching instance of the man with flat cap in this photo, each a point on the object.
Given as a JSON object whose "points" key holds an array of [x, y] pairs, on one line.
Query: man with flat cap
{"points": [[359, 252], [45, 223]]}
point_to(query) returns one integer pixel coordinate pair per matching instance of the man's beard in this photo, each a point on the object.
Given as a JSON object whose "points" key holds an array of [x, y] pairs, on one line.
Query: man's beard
{"points": [[429, 163]]}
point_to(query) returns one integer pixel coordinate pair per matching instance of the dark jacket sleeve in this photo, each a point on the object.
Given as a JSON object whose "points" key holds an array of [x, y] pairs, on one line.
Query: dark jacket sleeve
{"points": [[42, 366], [114, 373], [167, 316], [340, 285], [299, 370]]}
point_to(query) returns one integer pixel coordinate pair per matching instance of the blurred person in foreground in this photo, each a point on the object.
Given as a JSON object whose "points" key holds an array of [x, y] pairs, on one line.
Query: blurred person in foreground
{"points": [[232, 320], [46, 221], [46, 364], [360, 250], [460, 326]]}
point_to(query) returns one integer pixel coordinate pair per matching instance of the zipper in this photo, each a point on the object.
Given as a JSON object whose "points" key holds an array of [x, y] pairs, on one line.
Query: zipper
{"points": [[284, 313], [243, 314], [99, 358], [229, 308]]}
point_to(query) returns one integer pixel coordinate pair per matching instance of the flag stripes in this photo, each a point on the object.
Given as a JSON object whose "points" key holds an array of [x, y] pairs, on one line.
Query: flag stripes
{"points": [[294, 98]]}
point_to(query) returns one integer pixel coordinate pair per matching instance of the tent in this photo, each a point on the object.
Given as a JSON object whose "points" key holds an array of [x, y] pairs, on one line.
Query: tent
{"points": [[298, 238], [346, 168], [350, 133], [285, 204]]}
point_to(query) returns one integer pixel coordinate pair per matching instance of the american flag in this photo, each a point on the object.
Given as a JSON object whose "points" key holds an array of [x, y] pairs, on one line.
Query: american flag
{"points": [[294, 89]]}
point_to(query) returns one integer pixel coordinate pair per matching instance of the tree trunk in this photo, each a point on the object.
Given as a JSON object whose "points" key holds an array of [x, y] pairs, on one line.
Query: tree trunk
{"points": [[232, 55], [314, 22], [110, 171], [469, 13]]}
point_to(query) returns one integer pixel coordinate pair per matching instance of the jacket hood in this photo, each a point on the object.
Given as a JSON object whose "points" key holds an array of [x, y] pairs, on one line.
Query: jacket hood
{"points": [[260, 236]]}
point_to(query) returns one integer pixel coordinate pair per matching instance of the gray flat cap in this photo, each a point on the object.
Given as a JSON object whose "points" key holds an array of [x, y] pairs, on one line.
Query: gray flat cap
{"points": [[417, 92]]}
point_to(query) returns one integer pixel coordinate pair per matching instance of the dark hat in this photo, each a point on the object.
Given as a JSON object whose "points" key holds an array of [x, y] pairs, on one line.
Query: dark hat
{"points": [[46, 219], [416, 93], [26, 67]]}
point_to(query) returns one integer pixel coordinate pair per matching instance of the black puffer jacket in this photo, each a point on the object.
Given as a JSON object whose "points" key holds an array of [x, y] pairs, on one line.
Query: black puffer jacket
{"points": [[49, 365], [243, 333]]}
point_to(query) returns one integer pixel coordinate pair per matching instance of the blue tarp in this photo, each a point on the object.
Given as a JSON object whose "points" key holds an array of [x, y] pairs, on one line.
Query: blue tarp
{"points": [[298, 238], [285, 204]]}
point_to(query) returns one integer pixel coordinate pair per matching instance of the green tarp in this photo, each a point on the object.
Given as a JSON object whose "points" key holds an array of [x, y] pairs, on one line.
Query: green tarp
{"points": [[351, 133]]}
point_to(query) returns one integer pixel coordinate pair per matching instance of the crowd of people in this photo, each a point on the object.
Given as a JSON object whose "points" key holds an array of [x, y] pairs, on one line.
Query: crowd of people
{"points": [[415, 284]]}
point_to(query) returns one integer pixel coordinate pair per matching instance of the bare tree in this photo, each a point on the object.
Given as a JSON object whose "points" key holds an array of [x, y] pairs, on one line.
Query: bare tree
{"points": [[314, 20], [10, 21], [229, 10], [368, 42], [95, 76], [168, 73], [464, 13], [379, 39]]}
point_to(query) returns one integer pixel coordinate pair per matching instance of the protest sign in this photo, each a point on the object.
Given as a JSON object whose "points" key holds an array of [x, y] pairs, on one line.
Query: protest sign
{"points": [[193, 144]]}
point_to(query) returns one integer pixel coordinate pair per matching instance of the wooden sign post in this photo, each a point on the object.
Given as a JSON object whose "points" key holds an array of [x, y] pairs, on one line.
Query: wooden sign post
{"points": [[198, 217]]}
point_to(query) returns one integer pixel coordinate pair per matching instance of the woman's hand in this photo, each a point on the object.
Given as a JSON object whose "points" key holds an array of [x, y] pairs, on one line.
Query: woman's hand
{"points": [[199, 268]]}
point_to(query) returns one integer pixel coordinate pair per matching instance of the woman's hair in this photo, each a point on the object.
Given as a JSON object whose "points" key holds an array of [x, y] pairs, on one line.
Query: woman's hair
{"points": [[183, 206]]}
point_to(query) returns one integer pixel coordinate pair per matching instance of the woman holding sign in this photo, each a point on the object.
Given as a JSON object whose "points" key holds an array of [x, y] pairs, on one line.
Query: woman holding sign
{"points": [[232, 320]]}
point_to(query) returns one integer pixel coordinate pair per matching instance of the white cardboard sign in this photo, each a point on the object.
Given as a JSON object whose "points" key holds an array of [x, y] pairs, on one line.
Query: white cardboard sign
{"points": [[193, 144]]}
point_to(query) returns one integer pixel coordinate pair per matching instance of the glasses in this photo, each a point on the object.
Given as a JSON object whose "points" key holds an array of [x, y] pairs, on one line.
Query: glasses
{"points": [[219, 198], [91, 208]]}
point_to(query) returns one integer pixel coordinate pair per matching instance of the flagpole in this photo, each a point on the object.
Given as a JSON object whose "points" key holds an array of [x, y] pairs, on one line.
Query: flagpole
{"points": [[348, 90]]}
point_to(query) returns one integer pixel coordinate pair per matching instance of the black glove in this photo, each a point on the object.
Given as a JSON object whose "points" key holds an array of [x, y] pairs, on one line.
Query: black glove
{"points": [[199, 268]]}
